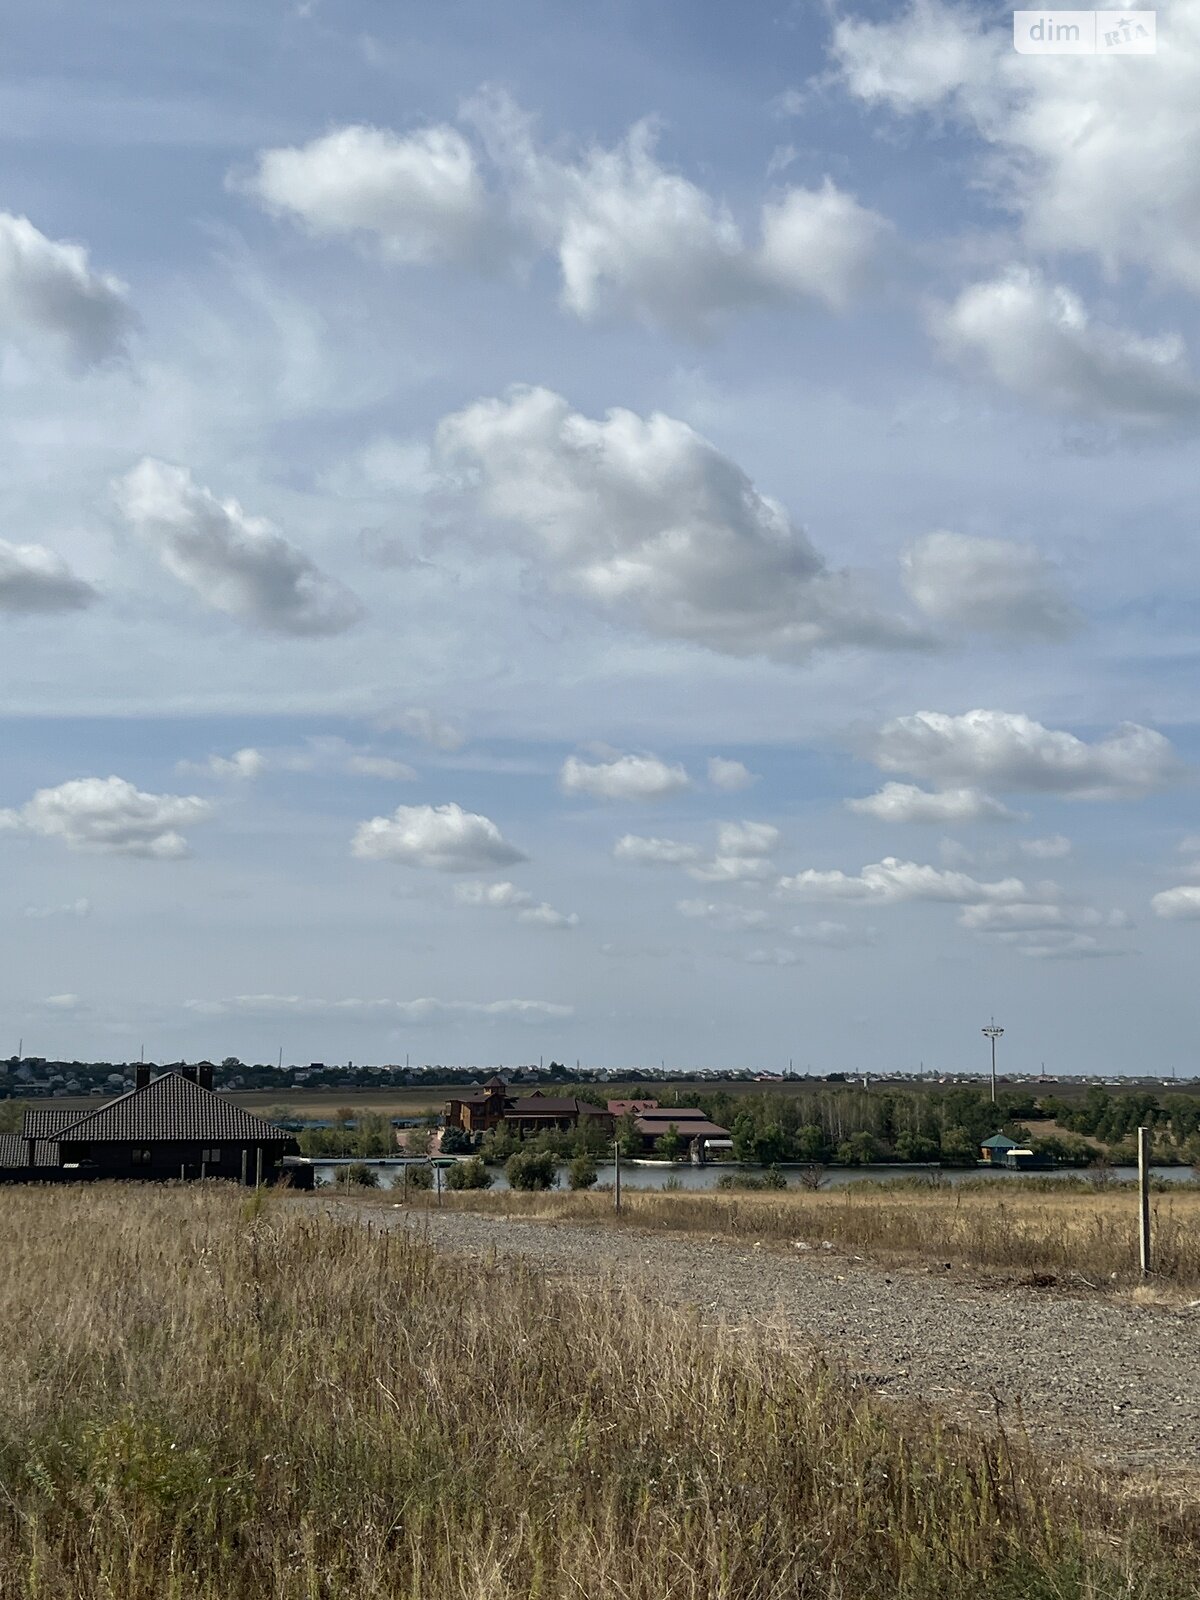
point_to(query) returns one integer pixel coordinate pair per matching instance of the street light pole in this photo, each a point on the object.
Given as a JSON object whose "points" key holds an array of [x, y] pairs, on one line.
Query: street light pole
{"points": [[993, 1033]]}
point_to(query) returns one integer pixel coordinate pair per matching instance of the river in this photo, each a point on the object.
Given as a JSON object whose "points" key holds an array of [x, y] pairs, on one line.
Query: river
{"points": [[652, 1175]]}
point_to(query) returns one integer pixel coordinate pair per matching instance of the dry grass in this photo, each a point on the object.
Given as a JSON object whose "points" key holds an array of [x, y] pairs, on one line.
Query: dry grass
{"points": [[1071, 1230], [206, 1401]]}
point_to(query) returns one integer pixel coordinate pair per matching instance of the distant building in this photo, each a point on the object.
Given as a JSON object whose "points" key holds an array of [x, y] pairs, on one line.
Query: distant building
{"points": [[689, 1122], [631, 1108], [478, 1111], [995, 1150], [170, 1127]]}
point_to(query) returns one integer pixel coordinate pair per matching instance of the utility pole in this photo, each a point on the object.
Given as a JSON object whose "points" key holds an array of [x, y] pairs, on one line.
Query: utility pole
{"points": [[993, 1033], [281, 1058], [617, 1181], [1144, 1199]]}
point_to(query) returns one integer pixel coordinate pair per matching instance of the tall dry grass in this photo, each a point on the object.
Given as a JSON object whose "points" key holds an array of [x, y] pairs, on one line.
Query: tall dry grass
{"points": [[1072, 1230], [205, 1399]]}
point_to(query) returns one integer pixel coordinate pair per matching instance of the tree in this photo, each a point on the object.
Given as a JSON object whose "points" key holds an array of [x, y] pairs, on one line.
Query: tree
{"points": [[344, 1116], [417, 1141], [471, 1174], [811, 1143], [670, 1144], [529, 1170], [456, 1142], [629, 1139], [357, 1175], [582, 1173], [231, 1064]]}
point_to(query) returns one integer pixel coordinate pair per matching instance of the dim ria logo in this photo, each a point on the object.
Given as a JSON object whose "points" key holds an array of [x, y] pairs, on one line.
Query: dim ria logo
{"points": [[1084, 33]]}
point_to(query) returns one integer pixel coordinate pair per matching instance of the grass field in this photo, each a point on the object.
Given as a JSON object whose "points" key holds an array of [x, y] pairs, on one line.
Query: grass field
{"points": [[1080, 1234], [206, 1399]]}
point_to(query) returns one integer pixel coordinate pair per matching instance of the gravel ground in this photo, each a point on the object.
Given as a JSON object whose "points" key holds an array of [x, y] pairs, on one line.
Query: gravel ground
{"points": [[1120, 1382]]}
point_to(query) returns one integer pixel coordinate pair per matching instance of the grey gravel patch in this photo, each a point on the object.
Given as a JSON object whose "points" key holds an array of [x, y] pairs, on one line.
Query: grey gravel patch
{"points": [[1119, 1382]]}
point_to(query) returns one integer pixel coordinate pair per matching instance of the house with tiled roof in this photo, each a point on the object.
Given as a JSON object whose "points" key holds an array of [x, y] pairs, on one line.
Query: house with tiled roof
{"points": [[173, 1126]]}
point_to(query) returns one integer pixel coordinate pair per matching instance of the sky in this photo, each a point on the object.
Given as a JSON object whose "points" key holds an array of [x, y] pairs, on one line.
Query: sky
{"points": [[631, 534]]}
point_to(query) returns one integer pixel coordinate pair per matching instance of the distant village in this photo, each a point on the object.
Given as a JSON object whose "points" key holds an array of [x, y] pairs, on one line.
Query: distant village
{"points": [[27, 1077]]}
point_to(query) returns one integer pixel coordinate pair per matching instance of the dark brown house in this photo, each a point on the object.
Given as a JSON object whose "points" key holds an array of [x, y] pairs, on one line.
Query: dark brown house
{"points": [[172, 1126], [480, 1110]]}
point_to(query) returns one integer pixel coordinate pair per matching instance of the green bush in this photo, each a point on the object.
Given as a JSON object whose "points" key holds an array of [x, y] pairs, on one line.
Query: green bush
{"points": [[358, 1175], [456, 1142], [582, 1173], [471, 1174], [418, 1175], [530, 1169]]}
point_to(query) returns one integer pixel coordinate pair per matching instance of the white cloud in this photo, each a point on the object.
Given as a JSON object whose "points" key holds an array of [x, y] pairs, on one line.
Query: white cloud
{"points": [[655, 852], [35, 580], [507, 897], [545, 916], [1052, 848], [626, 778], [364, 765], [1007, 750], [443, 837], [422, 1010], [904, 802], [728, 918], [890, 881], [1178, 904], [420, 196], [644, 516], [743, 854], [50, 293], [234, 562], [422, 724], [997, 586], [1036, 916], [63, 1002], [73, 908], [729, 776], [1037, 339], [1056, 129], [776, 956], [110, 815], [246, 764]]}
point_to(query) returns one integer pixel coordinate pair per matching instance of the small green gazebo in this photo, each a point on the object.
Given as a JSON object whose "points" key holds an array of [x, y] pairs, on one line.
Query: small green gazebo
{"points": [[996, 1148]]}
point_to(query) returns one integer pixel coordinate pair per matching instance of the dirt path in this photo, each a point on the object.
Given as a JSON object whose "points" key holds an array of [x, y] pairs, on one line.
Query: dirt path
{"points": [[1121, 1382]]}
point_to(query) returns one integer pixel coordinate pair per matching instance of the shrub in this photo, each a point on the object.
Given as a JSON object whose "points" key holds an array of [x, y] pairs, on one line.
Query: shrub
{"points": [[471, 1174], [773, 1178], [418, 1175], [456, 1142], [357, 1175], [530, 1169], [582, 1173]]}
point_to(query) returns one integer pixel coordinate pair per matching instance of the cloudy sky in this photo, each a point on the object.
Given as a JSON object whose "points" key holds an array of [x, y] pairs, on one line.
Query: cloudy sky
{"points": [[639, 532]]}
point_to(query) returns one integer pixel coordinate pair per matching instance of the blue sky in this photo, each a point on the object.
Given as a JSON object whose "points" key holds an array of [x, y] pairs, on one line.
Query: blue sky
{"points": [[627, 534]]}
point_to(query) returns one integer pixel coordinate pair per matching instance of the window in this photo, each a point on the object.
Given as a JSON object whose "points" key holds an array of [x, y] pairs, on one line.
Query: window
{"points": [[211, 1156], [140, 1158]]}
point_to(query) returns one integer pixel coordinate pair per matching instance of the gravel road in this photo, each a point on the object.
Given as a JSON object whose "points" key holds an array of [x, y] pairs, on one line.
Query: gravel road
{"points": [[1119, 1382]]}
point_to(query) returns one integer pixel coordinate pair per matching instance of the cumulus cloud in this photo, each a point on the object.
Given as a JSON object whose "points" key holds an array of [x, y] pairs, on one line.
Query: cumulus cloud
{"points": [[905, 802], [1055, 131], [446, 838], [997, 586], [891, 881], [350, 1009], [743, 854], [729, 776], [1015, 917], [626, 778], [420, 197], [630, 236], [34, 580], [424, 725], [728, 918], [1010, 751], [320, 753], [643, 516], [235, 563], [507, 897], [644, 852], [50, 293], [1051, 848], [1178, 904], [110, 816], [244, 764], [1037, 339]]}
